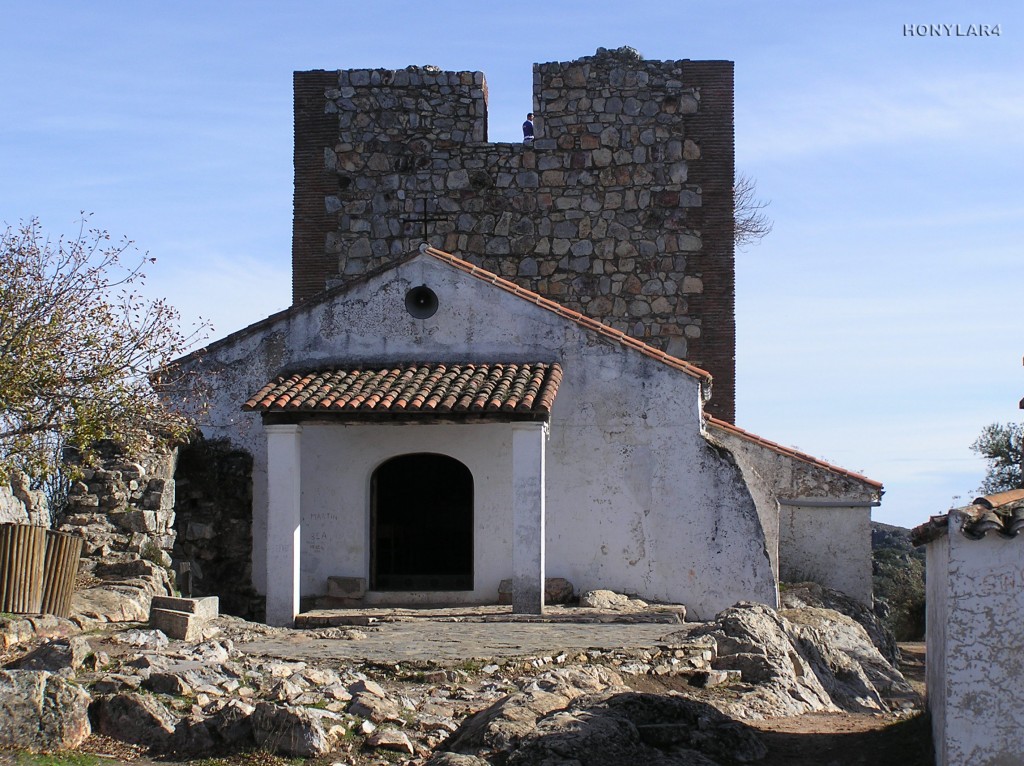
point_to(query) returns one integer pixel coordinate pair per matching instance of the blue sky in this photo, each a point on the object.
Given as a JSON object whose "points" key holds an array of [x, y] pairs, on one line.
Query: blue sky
{"points": [[879, 325]]}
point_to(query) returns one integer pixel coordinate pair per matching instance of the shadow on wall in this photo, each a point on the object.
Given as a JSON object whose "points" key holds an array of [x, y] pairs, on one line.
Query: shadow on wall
{"points": [[213, 521]]}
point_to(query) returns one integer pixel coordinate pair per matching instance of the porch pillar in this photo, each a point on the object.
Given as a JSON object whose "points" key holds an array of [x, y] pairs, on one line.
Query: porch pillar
{"points": [[283, 523], [528, 442]]}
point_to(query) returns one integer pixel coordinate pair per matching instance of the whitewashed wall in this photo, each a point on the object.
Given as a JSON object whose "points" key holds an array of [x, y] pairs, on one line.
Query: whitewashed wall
{"points": [[827, 545], [817, 520], [976, 652], [637, 500], [337, 462]]}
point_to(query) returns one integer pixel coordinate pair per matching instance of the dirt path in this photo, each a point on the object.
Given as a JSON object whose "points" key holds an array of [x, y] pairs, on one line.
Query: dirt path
{"points": [[841, 739], [846, 739]]}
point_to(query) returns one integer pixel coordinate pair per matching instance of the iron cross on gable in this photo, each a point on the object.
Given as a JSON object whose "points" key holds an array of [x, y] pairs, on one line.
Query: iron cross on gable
{"points": [[425, 218]]}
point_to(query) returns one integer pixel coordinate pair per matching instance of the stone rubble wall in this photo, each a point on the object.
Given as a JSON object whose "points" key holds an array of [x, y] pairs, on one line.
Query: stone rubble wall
{"points": [[124, 509], [139, 515], [213, 485], [620, 209]]}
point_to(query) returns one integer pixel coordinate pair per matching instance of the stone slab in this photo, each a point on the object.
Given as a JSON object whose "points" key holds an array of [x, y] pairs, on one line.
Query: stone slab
{"points": [[206, 607], [673, 614], [184, 626]]}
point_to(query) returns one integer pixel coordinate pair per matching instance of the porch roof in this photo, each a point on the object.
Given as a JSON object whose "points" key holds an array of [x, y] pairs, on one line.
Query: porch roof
{"points": [[414, 391]]}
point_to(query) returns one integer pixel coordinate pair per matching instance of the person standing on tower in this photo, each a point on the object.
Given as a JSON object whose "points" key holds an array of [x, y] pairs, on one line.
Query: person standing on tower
{"points": [[528, 129]]}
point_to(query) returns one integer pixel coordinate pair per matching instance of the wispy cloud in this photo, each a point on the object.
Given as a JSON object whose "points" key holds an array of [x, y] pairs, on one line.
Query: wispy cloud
{"points": [[843, 114]]}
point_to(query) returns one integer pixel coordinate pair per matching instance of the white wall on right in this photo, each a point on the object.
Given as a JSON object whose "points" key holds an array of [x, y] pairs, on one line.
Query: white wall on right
{"points": [[976, 674]]}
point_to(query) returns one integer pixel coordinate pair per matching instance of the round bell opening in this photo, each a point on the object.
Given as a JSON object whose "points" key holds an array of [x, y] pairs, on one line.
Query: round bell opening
{"points": [[421, 302]]}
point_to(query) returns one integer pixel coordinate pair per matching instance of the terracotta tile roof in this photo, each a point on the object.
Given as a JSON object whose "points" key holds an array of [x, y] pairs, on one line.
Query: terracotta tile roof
{"points": [[522, 391], [591, 324], [803, 457], [1002, 513]]}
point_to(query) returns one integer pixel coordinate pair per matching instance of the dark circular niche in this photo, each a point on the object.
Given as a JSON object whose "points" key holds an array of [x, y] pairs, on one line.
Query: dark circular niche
{"points": [[421, 302]]}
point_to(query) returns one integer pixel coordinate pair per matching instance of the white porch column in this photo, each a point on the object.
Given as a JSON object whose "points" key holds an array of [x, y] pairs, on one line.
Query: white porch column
{"points": [[283, 523], [528, 441]]}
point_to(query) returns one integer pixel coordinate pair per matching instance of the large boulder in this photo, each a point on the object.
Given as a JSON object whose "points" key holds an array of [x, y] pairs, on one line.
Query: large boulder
{"points": [[111, 603], [558, 590], [140, 719], [455, 759], [611, 601], [232, 723], [850, 666], [800, 661], [56, 656], [40, 711], [585, 715], [615, 728], [295, 731], [374, 708], [192, 736], [17, 629], [20, 504], [501, 726], [393, 739], [754, 639], [810, 594]]}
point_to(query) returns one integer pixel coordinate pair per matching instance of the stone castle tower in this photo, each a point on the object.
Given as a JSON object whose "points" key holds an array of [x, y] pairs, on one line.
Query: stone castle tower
{"points": [[621, 208]]}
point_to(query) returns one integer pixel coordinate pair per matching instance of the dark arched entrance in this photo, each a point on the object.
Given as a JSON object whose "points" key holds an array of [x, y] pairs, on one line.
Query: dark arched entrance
{"points": [[421, 524]]}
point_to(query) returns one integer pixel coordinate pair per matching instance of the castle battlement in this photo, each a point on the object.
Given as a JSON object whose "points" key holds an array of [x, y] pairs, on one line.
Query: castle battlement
{"points": [[620, 209], [385, 105]]}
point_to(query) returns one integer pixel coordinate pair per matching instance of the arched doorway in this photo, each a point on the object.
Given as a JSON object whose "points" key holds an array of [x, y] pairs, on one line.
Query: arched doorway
{"points": [[421, 524]]}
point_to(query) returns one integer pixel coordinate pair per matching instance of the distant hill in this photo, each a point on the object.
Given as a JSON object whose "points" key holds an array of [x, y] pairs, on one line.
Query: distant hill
{"points": [[898, 581], [893, 537]]}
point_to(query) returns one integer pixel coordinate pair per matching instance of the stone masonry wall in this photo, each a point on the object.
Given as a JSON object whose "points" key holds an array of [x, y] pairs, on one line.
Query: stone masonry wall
{"points": [[124, 509], [139, 515], [213, 484], [620, 209]]}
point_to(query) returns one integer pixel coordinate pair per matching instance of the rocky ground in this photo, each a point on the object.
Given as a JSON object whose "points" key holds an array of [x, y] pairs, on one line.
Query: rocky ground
{"points": [[801, 685]]}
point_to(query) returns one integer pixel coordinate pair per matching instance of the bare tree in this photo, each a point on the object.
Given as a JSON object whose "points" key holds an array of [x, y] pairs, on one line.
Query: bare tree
{"points": [[752, 223], [83, 353]]}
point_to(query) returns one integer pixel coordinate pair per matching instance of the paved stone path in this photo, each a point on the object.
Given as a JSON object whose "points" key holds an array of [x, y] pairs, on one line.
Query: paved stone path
{"points": [[448, 639]]}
